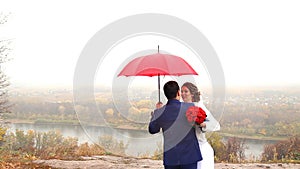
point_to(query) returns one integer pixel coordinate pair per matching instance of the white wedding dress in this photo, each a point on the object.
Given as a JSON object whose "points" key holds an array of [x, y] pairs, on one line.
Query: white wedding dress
{"points": [[206, 150]]}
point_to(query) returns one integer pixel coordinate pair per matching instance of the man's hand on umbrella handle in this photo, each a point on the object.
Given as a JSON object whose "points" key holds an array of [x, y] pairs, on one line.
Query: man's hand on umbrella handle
{"points": [[158, 105]]}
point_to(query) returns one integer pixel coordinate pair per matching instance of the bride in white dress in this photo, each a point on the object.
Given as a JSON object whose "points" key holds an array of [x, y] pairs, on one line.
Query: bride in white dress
{"points": [[190, 93]]}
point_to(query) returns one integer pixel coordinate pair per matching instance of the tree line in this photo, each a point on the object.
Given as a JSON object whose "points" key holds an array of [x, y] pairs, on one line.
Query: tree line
{"points": [[241, 117]]}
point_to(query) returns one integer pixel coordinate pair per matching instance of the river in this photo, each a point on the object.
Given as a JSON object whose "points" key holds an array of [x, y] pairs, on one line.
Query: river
{"points": [[138, 142]]}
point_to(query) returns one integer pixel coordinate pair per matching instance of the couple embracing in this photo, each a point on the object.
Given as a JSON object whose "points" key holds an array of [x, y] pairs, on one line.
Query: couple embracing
{"points": [[185, 146]]}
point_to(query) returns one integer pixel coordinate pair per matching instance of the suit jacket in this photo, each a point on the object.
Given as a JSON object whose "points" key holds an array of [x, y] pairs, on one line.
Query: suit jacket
{"points": [[180, 143]]}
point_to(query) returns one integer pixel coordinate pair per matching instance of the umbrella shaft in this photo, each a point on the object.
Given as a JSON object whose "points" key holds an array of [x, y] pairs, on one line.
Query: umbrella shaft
{"points": [[158, 88]]}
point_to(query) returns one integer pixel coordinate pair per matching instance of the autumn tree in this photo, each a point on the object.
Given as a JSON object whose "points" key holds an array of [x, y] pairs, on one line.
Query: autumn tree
{"points": [[215, 140], [235, 149], [285, 150], [4, 52], [5, 49]]}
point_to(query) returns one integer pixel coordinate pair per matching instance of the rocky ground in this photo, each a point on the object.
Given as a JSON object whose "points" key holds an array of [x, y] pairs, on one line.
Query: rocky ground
{"points": [[113, 162]]}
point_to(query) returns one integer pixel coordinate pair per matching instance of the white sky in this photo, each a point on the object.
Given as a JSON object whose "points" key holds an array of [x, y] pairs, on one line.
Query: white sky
{"points": [[257, 41]]}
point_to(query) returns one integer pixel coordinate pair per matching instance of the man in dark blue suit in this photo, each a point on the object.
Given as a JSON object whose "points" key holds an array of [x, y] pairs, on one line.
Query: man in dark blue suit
{"points": [[181, 149]]}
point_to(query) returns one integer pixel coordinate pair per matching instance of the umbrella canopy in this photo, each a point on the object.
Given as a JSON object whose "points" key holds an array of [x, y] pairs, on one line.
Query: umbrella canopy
{"points": [[156, 65]]}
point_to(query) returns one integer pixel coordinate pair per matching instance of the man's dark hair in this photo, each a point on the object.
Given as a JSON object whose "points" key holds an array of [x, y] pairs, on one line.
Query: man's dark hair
{"points": [[170, 89]]}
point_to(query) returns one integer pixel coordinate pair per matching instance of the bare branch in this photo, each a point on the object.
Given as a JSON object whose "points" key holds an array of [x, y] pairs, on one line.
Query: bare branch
{"points": [[4, 17]]}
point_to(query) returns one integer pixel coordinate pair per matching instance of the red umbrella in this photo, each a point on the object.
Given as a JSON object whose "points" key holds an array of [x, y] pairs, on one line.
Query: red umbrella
{"points": [[156, 65]]}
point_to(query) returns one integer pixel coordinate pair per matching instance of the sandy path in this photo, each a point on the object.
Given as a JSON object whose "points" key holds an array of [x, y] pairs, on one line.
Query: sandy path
{"points": [[113, 162]]}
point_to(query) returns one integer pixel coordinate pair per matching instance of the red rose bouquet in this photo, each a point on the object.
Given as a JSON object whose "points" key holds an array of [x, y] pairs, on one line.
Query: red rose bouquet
{"points": [[195, 115]]}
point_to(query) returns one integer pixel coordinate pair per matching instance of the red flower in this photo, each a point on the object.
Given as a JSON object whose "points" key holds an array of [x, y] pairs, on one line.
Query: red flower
{"points": [[195, 115]]}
